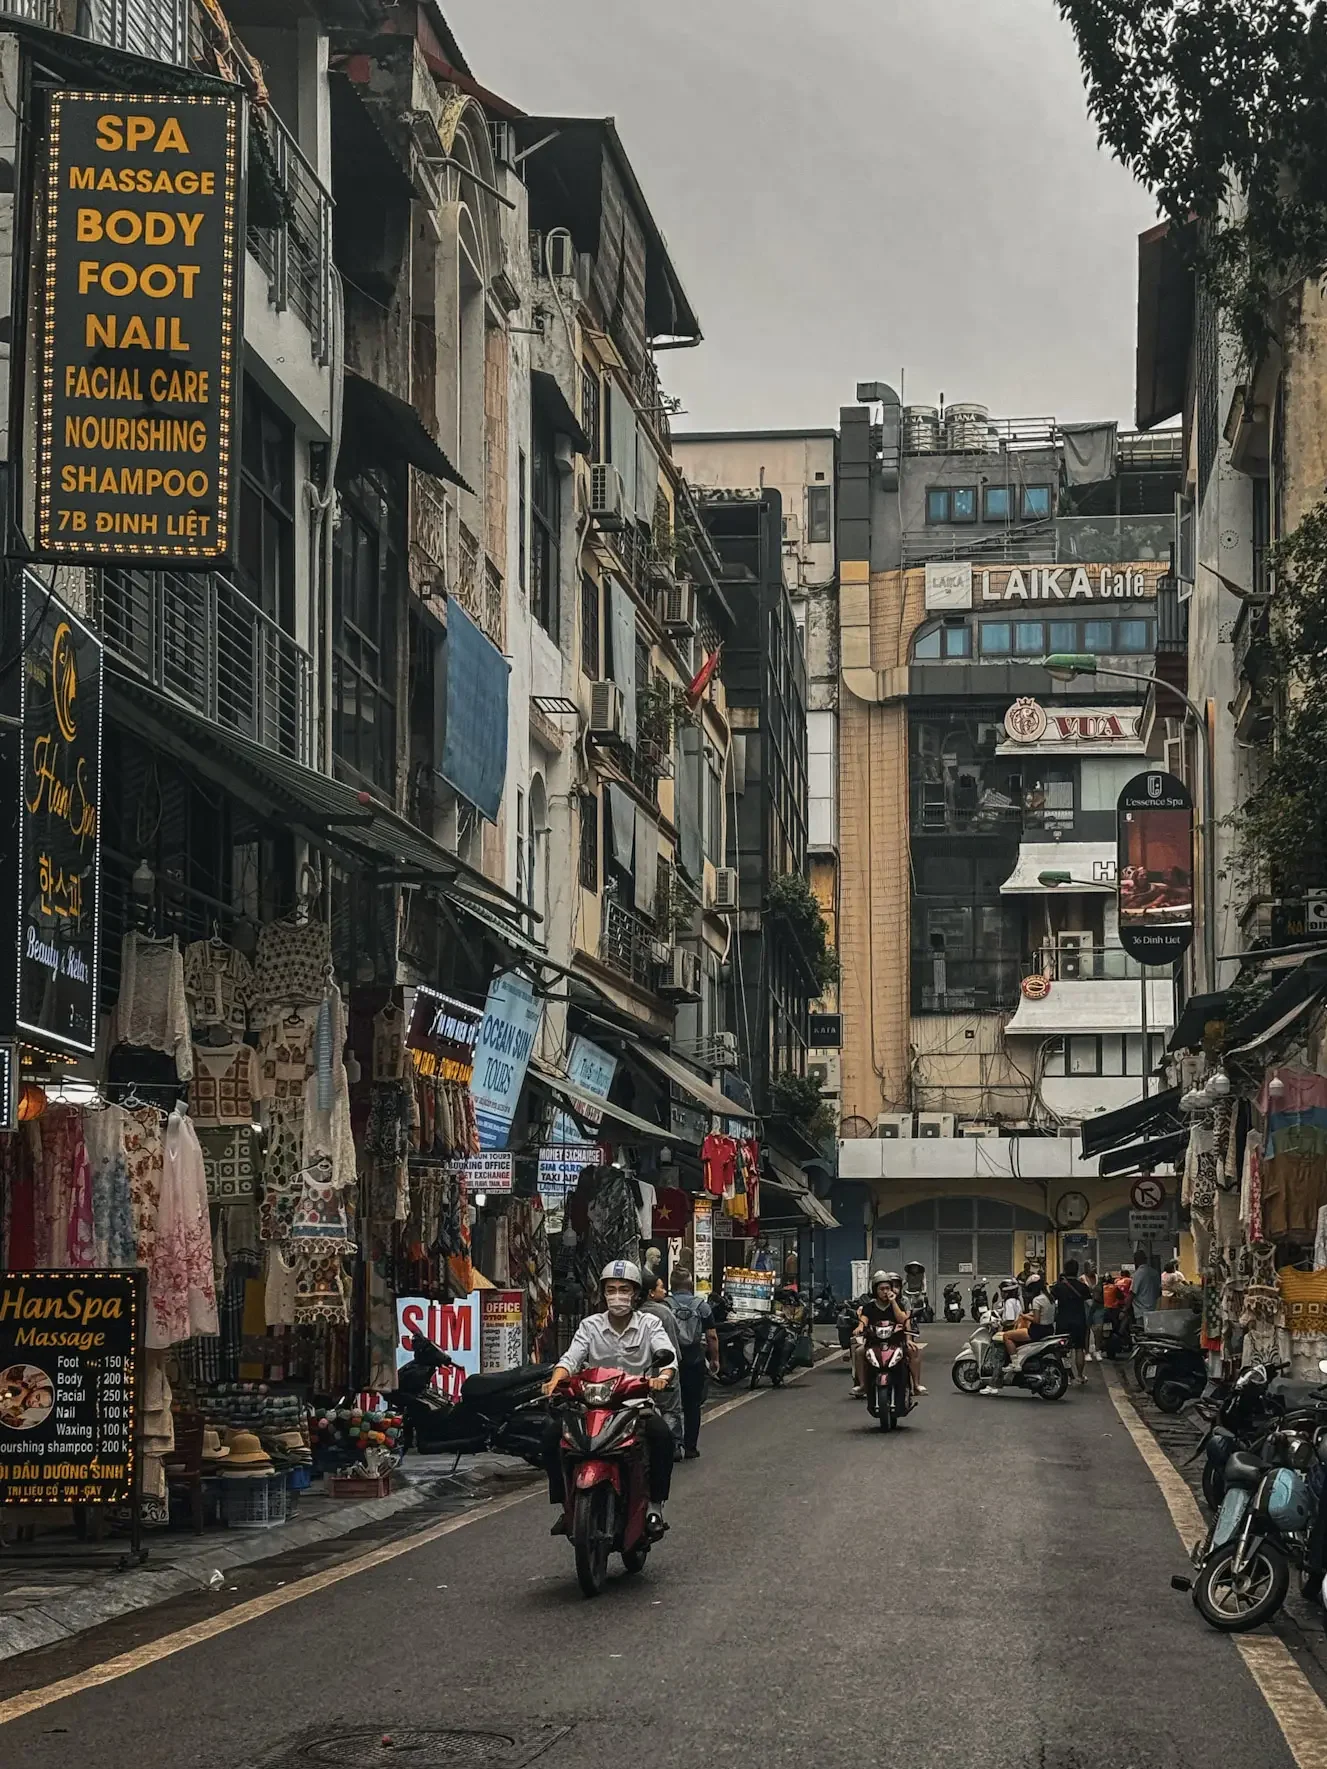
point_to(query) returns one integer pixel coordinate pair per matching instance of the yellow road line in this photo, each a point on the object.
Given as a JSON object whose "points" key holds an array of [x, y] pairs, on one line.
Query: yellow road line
{"points": [[1294, 1704], [124, 1664]]}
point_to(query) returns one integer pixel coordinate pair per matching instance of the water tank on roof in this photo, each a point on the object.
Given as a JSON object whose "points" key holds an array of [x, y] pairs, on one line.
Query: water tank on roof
{"points": [[967, 429], [921, 430]]}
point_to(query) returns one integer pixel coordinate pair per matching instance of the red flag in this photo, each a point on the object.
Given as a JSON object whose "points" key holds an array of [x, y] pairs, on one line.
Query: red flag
{"points": [[703, 677]]}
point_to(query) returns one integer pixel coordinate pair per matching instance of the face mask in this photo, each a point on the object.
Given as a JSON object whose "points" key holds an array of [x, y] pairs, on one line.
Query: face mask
{"points": [[618, 1299]]}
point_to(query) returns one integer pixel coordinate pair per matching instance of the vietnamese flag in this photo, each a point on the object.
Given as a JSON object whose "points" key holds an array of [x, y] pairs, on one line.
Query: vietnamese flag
{"points": [[703, 677]]}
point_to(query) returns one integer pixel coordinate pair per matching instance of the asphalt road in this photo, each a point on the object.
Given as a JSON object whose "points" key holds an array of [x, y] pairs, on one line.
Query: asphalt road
{"points": [[989, 1585]]}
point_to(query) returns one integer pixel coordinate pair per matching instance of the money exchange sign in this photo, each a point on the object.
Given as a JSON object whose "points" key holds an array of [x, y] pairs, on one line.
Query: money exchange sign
{"points": [[140, 269]]}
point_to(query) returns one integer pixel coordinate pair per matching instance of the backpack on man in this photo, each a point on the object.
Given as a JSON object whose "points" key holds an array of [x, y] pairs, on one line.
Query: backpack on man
{"points": [[690, 1326]]}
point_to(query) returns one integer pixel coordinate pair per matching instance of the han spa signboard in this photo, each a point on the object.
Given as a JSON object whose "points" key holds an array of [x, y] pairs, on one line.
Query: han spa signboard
{"points": [[69, 1364], [140, 271]]}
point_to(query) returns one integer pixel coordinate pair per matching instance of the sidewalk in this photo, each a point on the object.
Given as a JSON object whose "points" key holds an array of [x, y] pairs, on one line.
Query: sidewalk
{"points": [[54, 1594]]}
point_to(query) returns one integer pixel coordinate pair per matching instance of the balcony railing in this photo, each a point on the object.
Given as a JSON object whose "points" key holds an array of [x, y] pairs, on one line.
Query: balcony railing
{"points": [[627, 942], [198, 638], [1029, 543], [1085, 964], [1111, 540], [477, 586], [429, 519], [38, 12], [297, 255], [963, 985]]}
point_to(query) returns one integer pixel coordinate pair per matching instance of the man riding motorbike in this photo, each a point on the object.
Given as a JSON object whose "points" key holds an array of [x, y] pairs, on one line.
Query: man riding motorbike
{"points": [[619, 1338], [884, 1304]]}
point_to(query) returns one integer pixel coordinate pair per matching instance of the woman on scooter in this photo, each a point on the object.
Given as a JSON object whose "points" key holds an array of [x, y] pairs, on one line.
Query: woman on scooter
{"points": [[884, 1305], [1036, 1322]]}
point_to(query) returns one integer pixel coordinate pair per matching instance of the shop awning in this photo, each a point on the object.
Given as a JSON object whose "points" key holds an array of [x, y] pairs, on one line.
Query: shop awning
{"points": [[1294, 995], [501, 928], [1093, 1007], [1108, 1129], [782, 1175], [550, 400], [1160, 1151], [353, 826], [389, 427], [1281, 1024], [1198, 1012], [1090, 865], [580, 1099], [673, 1069]]}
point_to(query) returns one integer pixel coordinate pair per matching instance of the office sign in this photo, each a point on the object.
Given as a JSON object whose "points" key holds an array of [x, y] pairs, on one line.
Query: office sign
{"points": [[140, 269], [592, 1069], [58, 819], [501, 1330], [502, 1055], [70, 1343], [560, 1164], [1154, 867], [493, 1172]]}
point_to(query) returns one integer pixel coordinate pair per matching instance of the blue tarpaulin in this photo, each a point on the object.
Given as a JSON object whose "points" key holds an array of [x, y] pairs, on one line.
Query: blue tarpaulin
{"points": [[474, 753]]}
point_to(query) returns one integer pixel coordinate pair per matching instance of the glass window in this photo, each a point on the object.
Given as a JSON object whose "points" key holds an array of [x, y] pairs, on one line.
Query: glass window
{"points": [[958, 641], [1132, 635], [997, 503], [937, 504], [1054, 1061], [817, 514], [963, 504], [1035, 503], [1112, 1054], [589, 854], [1098, 636], [949, 930], [1064, 635], [928, 646], [1029, 637], [1083, 1056], [546, 526], [265, 554], [365, 580], [590, 628], [995, 638]]}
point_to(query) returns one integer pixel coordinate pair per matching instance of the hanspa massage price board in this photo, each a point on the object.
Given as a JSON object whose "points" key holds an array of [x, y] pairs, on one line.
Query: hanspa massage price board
{"points": [[70, 1355]]}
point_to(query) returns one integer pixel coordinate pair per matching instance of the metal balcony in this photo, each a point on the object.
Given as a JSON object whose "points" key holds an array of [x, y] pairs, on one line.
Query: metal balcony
{"points": [[628, 942], [941, 984], [1254, 660], [1085, 964], [477, 585], [38, 12], [297, 256], [198, 638]]}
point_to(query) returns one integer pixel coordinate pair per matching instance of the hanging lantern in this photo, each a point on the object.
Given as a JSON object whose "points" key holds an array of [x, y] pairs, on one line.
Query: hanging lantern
{"points": [[1276, 1087], [31, 1102]]}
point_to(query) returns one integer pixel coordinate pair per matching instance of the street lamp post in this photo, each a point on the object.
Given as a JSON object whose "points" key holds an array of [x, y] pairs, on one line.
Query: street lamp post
{"points": [[1065, 666]]}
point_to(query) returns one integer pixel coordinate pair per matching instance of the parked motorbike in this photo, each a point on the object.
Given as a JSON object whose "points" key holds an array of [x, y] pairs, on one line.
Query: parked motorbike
{"points": [[915, 1297], [606, 1472], [953, 1300], [1240, 1413], [1172, 1374], [825, 1309], [1038, 1366], [505, 1411], [980, 1297], [775, 1337], [736, 1344], [889, 1395], [1265, 1525]]}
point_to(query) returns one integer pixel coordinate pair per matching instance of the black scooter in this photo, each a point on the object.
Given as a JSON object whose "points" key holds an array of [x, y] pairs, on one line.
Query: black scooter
{"points": [[505, 1411], [953, 1303], [736, 1340], [826, 1306], [981, 1299], [1172, 1374]]}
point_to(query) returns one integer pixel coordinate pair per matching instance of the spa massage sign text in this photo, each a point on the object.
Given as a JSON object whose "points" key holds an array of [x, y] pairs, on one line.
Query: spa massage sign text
{"points": [[142, 251]]}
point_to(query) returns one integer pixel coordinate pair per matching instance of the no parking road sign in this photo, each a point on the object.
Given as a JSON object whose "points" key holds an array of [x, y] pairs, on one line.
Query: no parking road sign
{"points": [[1147, 1193]]}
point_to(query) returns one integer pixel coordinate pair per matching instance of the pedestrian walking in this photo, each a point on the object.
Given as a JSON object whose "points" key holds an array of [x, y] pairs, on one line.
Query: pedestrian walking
{"points": [[699, 1353], [1072, 1297], [1096, 1312], [669, 1403], [1146, 1283]]}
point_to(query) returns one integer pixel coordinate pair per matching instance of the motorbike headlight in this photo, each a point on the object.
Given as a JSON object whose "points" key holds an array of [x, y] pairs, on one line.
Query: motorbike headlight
{"points": [[598, 1393]]}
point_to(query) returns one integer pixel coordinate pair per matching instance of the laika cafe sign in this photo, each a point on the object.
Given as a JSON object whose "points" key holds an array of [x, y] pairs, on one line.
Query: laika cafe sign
{"points": [[141, 263], [56, 807], [70, 1345], [962, 585]]}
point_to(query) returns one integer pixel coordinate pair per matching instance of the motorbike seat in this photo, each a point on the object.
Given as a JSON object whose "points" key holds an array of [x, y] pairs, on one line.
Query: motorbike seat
{"points": [[1243, 1468], [1295, 1394], [524, 1376]]}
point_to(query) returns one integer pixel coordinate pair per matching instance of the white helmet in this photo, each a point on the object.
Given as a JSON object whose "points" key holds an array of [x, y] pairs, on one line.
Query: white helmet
{"points": [[624, 1270]]}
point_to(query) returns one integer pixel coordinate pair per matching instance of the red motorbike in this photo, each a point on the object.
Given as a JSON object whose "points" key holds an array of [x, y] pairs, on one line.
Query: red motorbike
{"points": [[889, 1396], [605, 1469]]}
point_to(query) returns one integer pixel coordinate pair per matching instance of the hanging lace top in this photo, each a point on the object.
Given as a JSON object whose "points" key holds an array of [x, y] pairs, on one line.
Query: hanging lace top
{"points": [[293, 962], [152, 1010], [389, 1044], [218, 984], [286, 1060], [224, 1085]]}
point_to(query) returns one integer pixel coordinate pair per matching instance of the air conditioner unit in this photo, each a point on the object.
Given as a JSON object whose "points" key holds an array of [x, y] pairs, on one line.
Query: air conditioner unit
{"points": [[680, 612], [893, 1126], [721, 1051], [979, 1130], [792, 530], [607, 498], [606, 712], [827, 1073], [935, 1124], [1074, 954], [559, 253], [682, 981], [723, 892]]}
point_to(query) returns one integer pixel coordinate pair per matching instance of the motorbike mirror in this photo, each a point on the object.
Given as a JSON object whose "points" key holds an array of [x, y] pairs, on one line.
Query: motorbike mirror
{"points": [[1322, 1365], [660, 1362]]}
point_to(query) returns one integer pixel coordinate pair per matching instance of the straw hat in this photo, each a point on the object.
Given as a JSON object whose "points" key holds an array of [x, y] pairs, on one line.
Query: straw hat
{"points": [[213, 1448], [243, 1450]]}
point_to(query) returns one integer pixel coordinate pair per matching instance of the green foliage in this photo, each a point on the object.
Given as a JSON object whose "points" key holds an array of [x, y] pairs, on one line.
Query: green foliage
{"points": [[799, 1098], [1205, 100], [789, 895], [1282, 826]]}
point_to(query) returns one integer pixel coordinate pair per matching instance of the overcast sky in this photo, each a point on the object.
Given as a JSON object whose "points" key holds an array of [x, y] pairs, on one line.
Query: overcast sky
{"points": [[854, 190]]}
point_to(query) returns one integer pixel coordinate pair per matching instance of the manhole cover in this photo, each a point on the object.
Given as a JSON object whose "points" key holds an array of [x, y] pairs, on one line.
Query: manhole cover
{"points": [[414, 1747]]}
